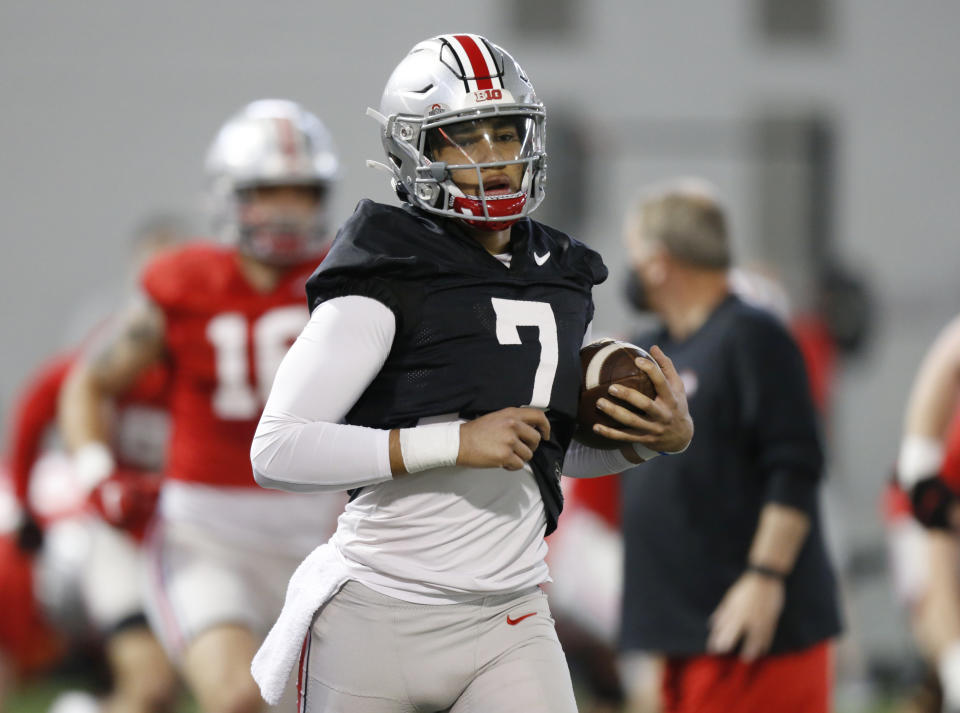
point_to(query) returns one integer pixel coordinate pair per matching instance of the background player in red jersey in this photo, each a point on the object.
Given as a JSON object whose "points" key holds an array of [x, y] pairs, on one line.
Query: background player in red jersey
{"points": [[104, 519], [927, 473], [62, 512], [28, 642], [923, 569], [222, 317]]}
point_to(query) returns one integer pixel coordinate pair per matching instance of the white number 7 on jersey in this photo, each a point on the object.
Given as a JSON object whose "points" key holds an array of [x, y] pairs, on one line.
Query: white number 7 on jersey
{"points": [[523, 313]]}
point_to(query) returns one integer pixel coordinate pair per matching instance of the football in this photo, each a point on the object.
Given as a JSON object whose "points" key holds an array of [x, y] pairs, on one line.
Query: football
{"points": [[605, 362]]}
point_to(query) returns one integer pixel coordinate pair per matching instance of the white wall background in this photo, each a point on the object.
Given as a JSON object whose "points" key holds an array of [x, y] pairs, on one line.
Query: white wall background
{"points": [[106, 108]]}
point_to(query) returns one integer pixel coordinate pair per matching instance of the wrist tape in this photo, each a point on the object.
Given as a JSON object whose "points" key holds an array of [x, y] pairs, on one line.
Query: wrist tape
{"points": [[433, 446], [920, 457], [93, 463]]}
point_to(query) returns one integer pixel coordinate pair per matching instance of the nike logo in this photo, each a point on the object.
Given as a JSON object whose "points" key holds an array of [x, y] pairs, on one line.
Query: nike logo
{"points": [[540, 259], [514, 622]]}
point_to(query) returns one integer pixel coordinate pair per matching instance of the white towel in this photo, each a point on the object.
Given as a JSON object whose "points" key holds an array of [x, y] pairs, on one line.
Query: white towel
{"points": [[317, 579]]}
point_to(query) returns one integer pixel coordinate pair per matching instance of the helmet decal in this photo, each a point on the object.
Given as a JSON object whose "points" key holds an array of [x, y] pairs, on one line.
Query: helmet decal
{"points": [[472, 51], [288, 142]]}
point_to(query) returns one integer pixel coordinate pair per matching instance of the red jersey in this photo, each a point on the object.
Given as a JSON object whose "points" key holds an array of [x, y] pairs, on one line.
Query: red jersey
{"points": [[601, 496], [35, 411], [225, 340], [140, 414]]}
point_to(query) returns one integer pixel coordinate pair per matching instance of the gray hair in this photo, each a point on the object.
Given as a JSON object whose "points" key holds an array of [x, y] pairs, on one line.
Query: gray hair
{"points": [[686, 217]]}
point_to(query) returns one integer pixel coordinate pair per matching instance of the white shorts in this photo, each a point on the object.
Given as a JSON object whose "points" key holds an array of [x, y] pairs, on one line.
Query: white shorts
{"points": [[111, 584], [86, 559], [196, 579], [908, 559]]}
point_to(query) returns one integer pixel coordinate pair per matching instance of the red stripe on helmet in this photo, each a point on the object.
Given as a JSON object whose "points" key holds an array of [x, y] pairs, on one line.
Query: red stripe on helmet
{"points": [[288, 141], [477, 61]]}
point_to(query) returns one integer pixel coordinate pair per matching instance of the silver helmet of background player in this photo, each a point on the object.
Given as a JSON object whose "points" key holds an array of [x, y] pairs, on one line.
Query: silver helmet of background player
{"points": [[447, 80], [270, 142]]}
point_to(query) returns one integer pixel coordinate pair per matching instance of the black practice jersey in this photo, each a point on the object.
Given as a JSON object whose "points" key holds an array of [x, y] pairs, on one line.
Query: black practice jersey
{"points": [[689, 519], [473, 336]]}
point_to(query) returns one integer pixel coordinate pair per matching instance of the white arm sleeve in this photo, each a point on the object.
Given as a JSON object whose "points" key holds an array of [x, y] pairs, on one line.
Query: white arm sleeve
{"points": [[583, 461], [300, 443]]}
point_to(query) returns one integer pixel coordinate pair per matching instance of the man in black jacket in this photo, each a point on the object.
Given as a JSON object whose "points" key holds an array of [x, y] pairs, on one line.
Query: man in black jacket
{"points": [[726, 570]]}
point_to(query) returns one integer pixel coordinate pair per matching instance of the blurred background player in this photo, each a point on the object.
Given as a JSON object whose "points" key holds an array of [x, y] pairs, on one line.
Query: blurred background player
{"points": [[84, 536], [221, 317], [29, 645], [927, 475], [726, 573], [919, 566]]}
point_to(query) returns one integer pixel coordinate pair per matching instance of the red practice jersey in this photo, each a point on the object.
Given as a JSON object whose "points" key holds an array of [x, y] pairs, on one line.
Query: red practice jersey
{"points": [[140, 414], [225, 340]]}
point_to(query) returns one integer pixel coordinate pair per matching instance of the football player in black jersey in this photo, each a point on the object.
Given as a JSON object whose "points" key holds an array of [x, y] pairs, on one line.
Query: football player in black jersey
{"points": [[438, 380], [726, 573]]}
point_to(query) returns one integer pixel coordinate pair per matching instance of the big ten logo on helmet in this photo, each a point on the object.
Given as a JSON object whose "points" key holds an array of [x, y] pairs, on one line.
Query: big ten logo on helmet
{"points": [[488, 95], [436, 109]]}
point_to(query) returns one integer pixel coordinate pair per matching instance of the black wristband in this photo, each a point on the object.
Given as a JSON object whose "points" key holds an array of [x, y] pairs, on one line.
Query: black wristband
{"points": [[768, 572], [932, 501]]}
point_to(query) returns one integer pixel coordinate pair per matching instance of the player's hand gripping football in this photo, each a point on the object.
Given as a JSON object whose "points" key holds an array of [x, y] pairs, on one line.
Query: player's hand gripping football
{"points": [[665, 424], [502, 439]]}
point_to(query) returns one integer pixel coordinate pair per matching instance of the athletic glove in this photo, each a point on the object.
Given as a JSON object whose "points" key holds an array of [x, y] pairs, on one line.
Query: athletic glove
{"points": [[29, 534], [127, 499], [931, 500]]}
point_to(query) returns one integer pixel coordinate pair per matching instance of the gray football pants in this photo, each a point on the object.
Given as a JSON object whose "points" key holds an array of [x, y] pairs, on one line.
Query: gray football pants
{"points": [[370, 653]]}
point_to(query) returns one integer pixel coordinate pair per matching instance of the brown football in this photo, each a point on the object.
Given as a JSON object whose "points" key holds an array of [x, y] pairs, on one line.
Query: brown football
{"points": [[605, 362]]}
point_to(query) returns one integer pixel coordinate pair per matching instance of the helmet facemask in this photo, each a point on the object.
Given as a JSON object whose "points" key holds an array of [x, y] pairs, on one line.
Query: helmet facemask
{"points": [[482, 166], [278, 234]]}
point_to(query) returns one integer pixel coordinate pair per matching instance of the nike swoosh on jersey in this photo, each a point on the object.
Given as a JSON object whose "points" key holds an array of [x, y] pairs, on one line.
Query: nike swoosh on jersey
{"points": [[540, 259], [514, 622]]}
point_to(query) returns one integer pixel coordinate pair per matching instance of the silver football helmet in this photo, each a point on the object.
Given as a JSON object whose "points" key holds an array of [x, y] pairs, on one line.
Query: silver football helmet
{"points": [[450, 95], [270, 142]]}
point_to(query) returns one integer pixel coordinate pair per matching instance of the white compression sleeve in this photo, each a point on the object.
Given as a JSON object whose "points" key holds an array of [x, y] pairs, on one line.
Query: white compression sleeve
{"points": [[583, 461], [300, 443]]}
